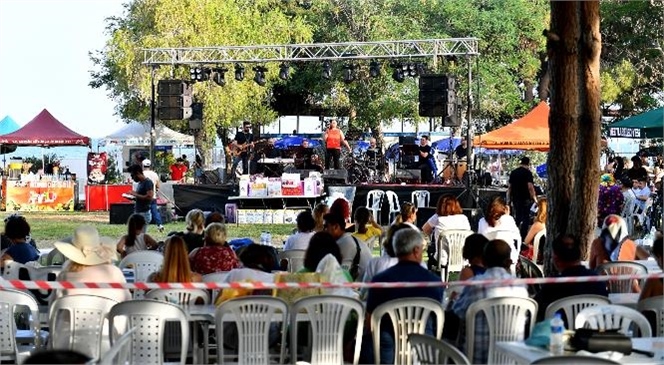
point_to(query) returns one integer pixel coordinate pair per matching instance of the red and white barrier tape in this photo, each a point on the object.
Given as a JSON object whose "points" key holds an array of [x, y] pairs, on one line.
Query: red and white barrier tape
{"points": [[22, 285]]}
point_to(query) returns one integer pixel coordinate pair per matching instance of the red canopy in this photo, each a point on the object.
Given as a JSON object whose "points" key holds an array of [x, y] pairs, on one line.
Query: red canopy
{"points": [[44, 130], [531, 132]]}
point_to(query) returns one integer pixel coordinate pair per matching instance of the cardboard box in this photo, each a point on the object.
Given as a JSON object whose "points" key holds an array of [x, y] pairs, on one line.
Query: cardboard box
{"points": [[267, 216], [309, 187], [258, 188], [244, 185], [290, 180], [242, 216], [274, 186]]}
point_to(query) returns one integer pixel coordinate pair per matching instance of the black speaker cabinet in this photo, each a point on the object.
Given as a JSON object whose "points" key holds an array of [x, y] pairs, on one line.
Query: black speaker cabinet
{"points": [[335, 176], [120, 213], [408, 176]]}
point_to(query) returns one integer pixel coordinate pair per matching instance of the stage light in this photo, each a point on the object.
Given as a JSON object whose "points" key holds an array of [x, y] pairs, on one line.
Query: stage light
{"points": [[260, 75], [284, 70], [199, 74], [327, 70], [398, 74], [219, 76], [239, 72], [349, 73], [412, 72], [305, 4], [374, 69]]}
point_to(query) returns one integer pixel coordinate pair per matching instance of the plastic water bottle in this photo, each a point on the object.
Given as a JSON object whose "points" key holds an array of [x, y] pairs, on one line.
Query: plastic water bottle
{"points": [[268, 238], [556, 346]]}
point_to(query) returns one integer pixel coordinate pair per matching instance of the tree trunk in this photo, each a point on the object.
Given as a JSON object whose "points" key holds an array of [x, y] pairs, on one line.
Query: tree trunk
{"points": [[574, 122]]}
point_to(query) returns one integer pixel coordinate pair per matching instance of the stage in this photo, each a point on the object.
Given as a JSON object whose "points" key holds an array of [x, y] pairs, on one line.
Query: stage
{"points": [[215, 197]]}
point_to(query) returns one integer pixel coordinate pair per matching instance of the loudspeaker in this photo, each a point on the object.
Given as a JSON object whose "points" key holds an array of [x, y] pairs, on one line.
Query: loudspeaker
{"points": [[437, 82], [174, 88], [406, 140], [174, 100], [408, 175], [336, 176], [211, 177]]}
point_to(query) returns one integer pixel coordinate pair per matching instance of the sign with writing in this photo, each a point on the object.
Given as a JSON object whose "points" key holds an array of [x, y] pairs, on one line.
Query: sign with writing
{"points": [[624, 132]]}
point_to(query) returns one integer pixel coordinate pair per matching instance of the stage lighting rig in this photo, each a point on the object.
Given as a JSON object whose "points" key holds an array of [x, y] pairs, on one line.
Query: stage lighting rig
{"points": [[327, 70], [199, 74], [374, 69], [219, 76], [260, 75], [398, 74], [239, 72], [284, 71], [349, 73]]}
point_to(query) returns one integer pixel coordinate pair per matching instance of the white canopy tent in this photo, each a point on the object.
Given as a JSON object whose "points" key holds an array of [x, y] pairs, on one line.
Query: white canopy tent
{"points": [[138, 134]]}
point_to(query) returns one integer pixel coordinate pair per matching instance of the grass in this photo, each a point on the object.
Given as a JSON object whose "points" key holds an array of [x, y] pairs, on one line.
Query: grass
{"points": [[47, 228]]}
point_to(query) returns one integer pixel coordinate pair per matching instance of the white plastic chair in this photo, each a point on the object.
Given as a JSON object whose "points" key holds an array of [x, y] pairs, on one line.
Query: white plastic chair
{"points": [[506, 319], [451, 241], [10, 299], [45, 273], [143, 263], [408, 315], [11, 269], [420, 198], [327, 315], [574, 359], [613, 317], [86, 317], [643, 217], [375, 203], [393, 201], [655, 305], [512, 238], [628, 212], [254, 316], [621, 268], [55, 257], [295, 259], [149, 318], [536, 244], [119, 353], [182, 297], [571, 306], [432, 351], [215, 277]]}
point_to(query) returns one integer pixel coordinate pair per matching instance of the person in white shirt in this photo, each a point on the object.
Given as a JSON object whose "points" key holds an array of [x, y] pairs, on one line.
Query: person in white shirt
{"points": [[356, 261], [497, 223], [152, 176], [642, 192], [305, 229], [449, 215]]}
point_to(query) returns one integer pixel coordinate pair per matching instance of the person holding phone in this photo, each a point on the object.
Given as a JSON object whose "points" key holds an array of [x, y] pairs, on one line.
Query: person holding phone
{"points": [[334, 138]]}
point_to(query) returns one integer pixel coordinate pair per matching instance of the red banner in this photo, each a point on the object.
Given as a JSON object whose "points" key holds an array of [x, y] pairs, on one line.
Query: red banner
{"points": [[97, 166]]}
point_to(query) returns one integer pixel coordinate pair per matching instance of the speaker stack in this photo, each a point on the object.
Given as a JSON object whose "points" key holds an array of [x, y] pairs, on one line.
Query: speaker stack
{"points": [[437, 98]]}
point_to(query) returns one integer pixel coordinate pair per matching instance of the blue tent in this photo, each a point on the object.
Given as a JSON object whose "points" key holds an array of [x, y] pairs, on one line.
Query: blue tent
{"points": [[294, 141], [8, 125], [446, 144], [541, 170]]}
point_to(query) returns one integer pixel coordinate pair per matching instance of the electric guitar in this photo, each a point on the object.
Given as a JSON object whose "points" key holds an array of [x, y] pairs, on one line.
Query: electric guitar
{"points": [[235, 149]]}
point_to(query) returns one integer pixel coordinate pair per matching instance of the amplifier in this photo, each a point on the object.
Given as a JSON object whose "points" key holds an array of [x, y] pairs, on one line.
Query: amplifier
{"points": [[340, 175], [408, 175]]}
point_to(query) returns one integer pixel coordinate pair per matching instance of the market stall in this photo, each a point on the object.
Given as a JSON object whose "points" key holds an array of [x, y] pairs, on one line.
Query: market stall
{"points": [[24, 191], [531, 132]]}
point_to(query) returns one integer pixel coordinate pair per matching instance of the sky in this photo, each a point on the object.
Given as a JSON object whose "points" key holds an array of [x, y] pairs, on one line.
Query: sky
{"points": [[44, 62]]}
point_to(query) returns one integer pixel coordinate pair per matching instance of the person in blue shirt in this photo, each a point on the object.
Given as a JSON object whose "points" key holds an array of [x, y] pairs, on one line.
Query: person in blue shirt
{"points": [[408, 245], [17, 230]]}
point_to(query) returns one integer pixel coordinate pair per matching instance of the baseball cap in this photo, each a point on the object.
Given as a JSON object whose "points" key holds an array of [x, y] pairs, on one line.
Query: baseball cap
{"points": [[147, 163]]}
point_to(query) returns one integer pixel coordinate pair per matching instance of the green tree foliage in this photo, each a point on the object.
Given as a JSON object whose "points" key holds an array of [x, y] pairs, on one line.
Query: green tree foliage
{"points": [[632, 56], [189, 23]]}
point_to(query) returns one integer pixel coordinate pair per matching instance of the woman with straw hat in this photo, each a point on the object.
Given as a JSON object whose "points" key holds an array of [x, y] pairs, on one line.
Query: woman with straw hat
{"points": [[90, 260]]}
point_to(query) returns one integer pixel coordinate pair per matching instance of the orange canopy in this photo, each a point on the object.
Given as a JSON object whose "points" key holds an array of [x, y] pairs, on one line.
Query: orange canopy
{"points": [[528, 133]]}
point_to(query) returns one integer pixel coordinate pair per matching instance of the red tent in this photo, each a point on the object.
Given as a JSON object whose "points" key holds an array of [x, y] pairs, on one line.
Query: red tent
{"points": [[531, 132], [44, 130]]}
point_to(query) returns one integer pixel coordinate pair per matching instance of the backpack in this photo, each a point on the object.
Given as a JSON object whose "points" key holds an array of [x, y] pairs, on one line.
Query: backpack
{"points": [[354, 270]]}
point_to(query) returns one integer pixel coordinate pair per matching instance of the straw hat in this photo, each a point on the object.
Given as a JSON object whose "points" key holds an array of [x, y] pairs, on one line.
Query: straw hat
{"points": [[87, 247]]}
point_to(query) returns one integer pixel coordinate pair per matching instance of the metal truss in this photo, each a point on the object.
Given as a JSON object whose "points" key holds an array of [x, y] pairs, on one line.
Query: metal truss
{"points": [[407, 49]]}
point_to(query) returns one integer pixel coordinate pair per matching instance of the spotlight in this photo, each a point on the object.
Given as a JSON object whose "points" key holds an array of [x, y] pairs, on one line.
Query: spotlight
{"points": [[219, 76], [305, 4], [349, 73], [199, 74], [327, 70], [374, 69], [284, 70], [239, 72], [412, 72], [398, 74], [260, 75]]}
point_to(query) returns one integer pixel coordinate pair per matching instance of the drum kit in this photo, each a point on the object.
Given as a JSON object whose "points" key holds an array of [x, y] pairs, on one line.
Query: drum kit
{"points": [[451, 170], [364, 166]]}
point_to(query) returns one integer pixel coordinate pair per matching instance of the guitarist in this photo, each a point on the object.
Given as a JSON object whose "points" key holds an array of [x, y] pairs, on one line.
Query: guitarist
{"points": [[240, 148]]}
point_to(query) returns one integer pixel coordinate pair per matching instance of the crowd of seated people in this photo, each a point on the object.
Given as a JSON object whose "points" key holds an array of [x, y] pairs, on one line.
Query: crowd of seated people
{"points": [[203, 248]]}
